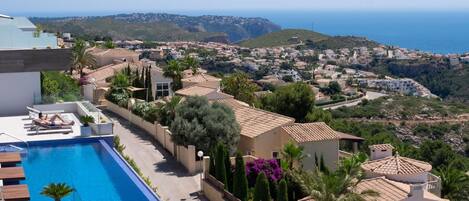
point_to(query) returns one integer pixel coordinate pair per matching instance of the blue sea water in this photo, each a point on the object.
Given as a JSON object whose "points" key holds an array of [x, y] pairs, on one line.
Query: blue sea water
{"points": [[435, 31], [87, 167], [438, 32]]}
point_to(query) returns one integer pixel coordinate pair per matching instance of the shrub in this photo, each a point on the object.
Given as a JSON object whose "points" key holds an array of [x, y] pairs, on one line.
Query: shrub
{"points": [[261, 191], [270, 168], [147, 111]]}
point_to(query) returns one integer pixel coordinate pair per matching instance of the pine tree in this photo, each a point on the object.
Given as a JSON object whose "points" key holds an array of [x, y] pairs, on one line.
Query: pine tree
{"points": [[282, 191], [128, 71], [220, 170], [229, 173], [261, 190], [240, 181]]}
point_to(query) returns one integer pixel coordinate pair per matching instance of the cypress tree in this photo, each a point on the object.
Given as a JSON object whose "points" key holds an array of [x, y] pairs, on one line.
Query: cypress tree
{"points": [[229, 173], [316, 161], [240, 181], [149, 87], [261, 190], [282, 191], [220, 170], [322, 165], [212, 163]]}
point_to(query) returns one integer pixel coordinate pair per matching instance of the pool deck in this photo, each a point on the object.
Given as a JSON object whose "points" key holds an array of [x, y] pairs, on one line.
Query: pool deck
{"points": [[15, 192], [166, 174], [7, 158], [15, 129]]}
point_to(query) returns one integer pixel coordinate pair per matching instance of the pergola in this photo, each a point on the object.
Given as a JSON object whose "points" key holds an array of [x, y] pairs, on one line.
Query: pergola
{"points": [[352, 138]]}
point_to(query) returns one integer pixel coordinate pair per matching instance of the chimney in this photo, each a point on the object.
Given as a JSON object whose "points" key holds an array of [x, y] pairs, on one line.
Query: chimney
{"points": [[416, 191], [379, 151]]}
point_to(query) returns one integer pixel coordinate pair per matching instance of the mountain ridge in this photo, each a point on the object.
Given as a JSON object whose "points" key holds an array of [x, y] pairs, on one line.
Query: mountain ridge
{"points": [[200, 28]]}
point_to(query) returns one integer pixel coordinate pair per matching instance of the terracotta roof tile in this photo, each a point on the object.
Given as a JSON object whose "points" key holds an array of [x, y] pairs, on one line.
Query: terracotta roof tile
{"points": [[396, 165], [195, 91], [381, 146], [200, 78], [253, 121], [389, 190], [311, 132]]}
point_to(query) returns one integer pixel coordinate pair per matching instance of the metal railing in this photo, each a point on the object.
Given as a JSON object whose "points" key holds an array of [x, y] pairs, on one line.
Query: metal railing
{"points": [[434, 184], [24, 141]]}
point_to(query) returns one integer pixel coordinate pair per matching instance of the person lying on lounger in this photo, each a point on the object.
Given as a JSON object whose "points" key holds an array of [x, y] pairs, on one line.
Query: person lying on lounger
{"points": [[55, 120]]}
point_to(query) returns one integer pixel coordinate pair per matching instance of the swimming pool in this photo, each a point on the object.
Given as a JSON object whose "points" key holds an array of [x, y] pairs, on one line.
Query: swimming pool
{"points": [[92, 168]]}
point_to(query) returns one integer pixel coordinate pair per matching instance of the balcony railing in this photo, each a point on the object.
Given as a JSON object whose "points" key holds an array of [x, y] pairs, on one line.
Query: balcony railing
{"points": [[434, 184]]}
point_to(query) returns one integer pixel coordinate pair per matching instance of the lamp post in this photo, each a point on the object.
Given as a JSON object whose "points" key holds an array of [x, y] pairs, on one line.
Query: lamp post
{"points": [[200, 154]]}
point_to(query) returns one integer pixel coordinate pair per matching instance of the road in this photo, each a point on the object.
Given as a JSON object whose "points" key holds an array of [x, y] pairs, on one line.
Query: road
{"points": [[370, 95], [166, 174]]}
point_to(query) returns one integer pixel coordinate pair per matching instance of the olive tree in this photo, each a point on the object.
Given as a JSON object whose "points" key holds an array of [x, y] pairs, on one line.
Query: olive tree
{"points": [[203, 124]]}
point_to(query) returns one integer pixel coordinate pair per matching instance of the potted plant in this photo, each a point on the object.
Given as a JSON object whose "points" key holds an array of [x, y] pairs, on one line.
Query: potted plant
{"points": [[86, 128]]}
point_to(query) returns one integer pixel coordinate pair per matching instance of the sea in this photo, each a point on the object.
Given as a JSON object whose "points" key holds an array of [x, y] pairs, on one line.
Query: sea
{"points": [[432, 31]]}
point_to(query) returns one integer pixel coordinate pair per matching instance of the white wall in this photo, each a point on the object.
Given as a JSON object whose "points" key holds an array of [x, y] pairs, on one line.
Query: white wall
{"points": [[18, 90]]}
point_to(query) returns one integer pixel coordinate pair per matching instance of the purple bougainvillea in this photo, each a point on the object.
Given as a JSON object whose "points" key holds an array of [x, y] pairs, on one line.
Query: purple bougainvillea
{"points": [[271, 169]]}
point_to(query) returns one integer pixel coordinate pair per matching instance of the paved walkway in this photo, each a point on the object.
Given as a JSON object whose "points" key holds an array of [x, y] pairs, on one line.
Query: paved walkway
{"points": [[166, 174]]}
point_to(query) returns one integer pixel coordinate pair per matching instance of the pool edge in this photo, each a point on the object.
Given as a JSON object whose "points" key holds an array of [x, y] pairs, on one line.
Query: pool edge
{"points": [[129, 171]]}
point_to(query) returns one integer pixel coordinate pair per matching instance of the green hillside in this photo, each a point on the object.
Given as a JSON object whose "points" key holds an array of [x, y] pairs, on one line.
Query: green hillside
{"points": [[308, 38], [120, 30], [283, 37]]}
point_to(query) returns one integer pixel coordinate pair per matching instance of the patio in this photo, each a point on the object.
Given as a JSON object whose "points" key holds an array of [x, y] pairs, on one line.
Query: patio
{"points": [[17, 129]]}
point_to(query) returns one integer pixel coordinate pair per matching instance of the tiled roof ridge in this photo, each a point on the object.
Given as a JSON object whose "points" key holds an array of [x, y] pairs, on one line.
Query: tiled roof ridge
{"points": [[393, 183], [273, 113], [398, 160]]}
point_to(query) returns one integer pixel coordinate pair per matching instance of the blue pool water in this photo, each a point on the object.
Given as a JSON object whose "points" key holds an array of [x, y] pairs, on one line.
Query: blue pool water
{"points": [[88, 167]]}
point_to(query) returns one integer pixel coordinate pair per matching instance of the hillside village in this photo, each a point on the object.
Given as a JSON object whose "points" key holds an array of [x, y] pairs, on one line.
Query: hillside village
{"points": [[149, 103]]}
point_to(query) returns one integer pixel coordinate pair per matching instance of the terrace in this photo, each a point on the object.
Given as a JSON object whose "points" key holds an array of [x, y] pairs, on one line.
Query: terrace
{"points": [[17, 129]]}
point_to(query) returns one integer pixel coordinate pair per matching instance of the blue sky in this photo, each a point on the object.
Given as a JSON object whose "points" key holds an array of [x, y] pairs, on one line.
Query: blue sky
{"points": [[113, 6]]}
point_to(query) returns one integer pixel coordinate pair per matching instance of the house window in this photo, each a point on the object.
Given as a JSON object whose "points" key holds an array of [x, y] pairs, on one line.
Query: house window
{"points": [[162, 89], [275, 154]]}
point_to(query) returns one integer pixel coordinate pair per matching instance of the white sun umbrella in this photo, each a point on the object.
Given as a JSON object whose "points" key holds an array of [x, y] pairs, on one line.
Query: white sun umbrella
{"points": [[6, 16]]}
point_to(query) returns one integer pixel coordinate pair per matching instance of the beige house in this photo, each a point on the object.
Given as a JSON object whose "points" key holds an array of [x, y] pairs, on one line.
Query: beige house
{"points": [[110, 56], [412, 175], [318, 140], [263, 134]]}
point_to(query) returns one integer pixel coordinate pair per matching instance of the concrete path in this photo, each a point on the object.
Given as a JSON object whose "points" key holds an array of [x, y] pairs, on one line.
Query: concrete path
{"points": [[166, 174]]}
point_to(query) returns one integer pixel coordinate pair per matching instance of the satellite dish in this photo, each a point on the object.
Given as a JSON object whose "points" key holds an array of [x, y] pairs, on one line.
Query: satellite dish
{"points": [[6, 17]]}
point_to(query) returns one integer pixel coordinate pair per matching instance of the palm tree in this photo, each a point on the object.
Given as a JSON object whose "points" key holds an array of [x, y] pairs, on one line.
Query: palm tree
{"points": [[454, 182], [332, 187], [168, 111], [292, 154], [339, 185], [191, 63], [174, 70], [57, 191], [81, 58], [352, 165]]}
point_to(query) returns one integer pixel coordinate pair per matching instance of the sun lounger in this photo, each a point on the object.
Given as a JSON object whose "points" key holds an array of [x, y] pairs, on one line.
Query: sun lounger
{"points": [[18, 192], [8, 158], [34, 113], [12, 173]]}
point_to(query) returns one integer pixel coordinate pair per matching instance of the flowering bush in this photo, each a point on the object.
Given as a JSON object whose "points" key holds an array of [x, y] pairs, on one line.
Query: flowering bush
{"points": [[271, 169]]}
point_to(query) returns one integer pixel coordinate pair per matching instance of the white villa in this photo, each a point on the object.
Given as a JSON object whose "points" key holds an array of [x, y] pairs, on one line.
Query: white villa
{"points": [[23, 54]]}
